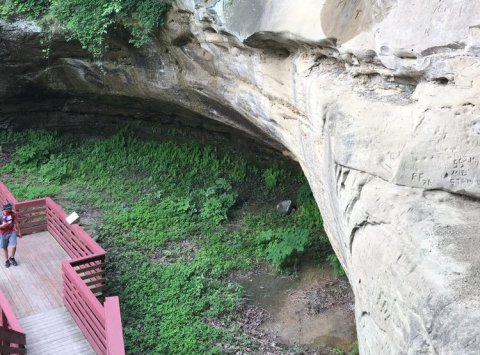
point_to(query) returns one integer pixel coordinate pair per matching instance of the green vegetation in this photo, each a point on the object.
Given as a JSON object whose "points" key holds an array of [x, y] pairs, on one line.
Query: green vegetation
{"points": [[167, 223], [335, 264], [354, 350], [89, 20], [273, 176], [284, 245]]}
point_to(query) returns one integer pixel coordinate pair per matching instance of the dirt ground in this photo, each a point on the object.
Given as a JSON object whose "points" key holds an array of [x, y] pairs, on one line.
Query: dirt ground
{"points": [[311, 313]]}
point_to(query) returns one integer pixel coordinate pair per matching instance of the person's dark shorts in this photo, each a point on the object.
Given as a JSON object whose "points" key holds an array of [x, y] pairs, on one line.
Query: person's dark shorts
{"points": [[8, 240]]}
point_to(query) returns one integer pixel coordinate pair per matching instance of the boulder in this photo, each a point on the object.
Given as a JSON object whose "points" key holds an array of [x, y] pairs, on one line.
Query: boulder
{"points": [[285, 207]]}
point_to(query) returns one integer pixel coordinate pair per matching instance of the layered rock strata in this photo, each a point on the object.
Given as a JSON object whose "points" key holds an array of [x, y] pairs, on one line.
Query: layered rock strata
{"points": [[377, 101]]}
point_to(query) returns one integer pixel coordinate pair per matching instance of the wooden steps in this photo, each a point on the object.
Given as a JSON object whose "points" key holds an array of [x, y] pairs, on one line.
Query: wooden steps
{"points": [[54, 332]]}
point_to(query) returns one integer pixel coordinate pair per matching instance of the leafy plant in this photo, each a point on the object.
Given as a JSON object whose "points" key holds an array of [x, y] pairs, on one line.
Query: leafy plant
{"points": [[90, 20], [39, 149], [31, 8], [219, 198], [29, 192], [284, 246], [272, 176], [55, 170]]}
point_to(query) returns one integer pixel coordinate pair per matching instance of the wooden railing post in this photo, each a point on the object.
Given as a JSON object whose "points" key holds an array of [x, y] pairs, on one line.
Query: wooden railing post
{"points": [[113, 326]]}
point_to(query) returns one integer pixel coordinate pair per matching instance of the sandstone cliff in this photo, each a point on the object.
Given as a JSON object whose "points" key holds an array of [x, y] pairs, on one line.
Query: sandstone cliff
{"points": [[378, 101]]}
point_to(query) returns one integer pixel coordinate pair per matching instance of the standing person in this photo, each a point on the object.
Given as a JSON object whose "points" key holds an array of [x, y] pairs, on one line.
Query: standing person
{"points": [[8, 237]]}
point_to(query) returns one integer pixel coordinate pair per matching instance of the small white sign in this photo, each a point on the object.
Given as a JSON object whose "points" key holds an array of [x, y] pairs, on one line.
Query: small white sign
{"points": [[73, 218]]}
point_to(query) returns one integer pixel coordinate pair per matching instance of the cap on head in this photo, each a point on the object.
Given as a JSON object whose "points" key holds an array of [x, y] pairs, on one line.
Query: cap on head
{"points": [[8, 206]]}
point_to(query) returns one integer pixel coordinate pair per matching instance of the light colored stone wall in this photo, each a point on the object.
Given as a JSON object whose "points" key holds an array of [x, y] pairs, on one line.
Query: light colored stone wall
{"points": [[379, 103]]}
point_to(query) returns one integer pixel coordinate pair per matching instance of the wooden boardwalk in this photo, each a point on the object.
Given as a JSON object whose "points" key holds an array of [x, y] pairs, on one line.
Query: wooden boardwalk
{"points": [[34, 290]]}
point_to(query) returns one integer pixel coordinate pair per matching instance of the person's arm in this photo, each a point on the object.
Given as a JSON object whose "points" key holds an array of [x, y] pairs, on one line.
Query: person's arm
{"points": [[6, 223]]}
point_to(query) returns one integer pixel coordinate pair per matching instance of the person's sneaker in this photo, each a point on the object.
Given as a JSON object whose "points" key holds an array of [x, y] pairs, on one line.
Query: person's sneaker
{"points": [[13, 261], [7, 263]]}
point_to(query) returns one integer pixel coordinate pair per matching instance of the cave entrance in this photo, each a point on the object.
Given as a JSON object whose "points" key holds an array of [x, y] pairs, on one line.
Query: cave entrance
{"points": [[210, 230]]}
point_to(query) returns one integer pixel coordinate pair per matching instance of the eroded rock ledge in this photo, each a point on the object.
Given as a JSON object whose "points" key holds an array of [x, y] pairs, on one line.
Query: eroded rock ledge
{"points": [[378, 105]]}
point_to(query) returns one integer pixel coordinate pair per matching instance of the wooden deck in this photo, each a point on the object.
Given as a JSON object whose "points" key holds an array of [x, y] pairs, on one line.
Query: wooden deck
{"points": [[34, 290]]}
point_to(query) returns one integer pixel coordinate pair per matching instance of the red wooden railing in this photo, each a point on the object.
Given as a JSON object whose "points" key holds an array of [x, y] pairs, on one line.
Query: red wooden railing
{"points": [[84, 282], [31, 216], [6, 195], [74, 240], [12, 337], [83, 275]]}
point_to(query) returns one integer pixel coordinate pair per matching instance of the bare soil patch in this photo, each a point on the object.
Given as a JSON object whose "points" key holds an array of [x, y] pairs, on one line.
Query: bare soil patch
{"points": [[311, 313]]}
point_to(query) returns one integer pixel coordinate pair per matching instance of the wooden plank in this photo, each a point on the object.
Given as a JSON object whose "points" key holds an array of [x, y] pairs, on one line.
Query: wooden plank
{"points": [[32, 230], [72, 252], [85, 237], [30, 203], [84, 311], [86, 314], [69, 237], [23, 217], [92, 278], [55, 332], [113, 326], [80, 269], [37, 219], [93, 275], [26, 221], [11, 285], [29, 224], [94, 341], [73, 277], [99, 282], [90, 269], [22, 212], [76, 230], [99, 349], [58, 211], [88, 259], [35, 285], [8, 313]]}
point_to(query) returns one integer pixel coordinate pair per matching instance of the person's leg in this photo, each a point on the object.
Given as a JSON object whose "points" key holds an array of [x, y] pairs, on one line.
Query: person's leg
{"points": [[12, 241], [4, 245]]}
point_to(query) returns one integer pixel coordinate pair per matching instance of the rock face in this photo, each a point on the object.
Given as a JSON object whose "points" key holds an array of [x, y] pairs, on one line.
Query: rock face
{"points": [[379, 102]]}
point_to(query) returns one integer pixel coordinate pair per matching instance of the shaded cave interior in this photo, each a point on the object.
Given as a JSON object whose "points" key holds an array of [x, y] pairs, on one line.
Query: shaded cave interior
{"points": [[36, 108]]}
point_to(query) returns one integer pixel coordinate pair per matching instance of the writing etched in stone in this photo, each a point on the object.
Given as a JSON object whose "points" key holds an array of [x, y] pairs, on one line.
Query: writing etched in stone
{"points": [[460, 182], [461, 174], [421, 179], [459, 163]]}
